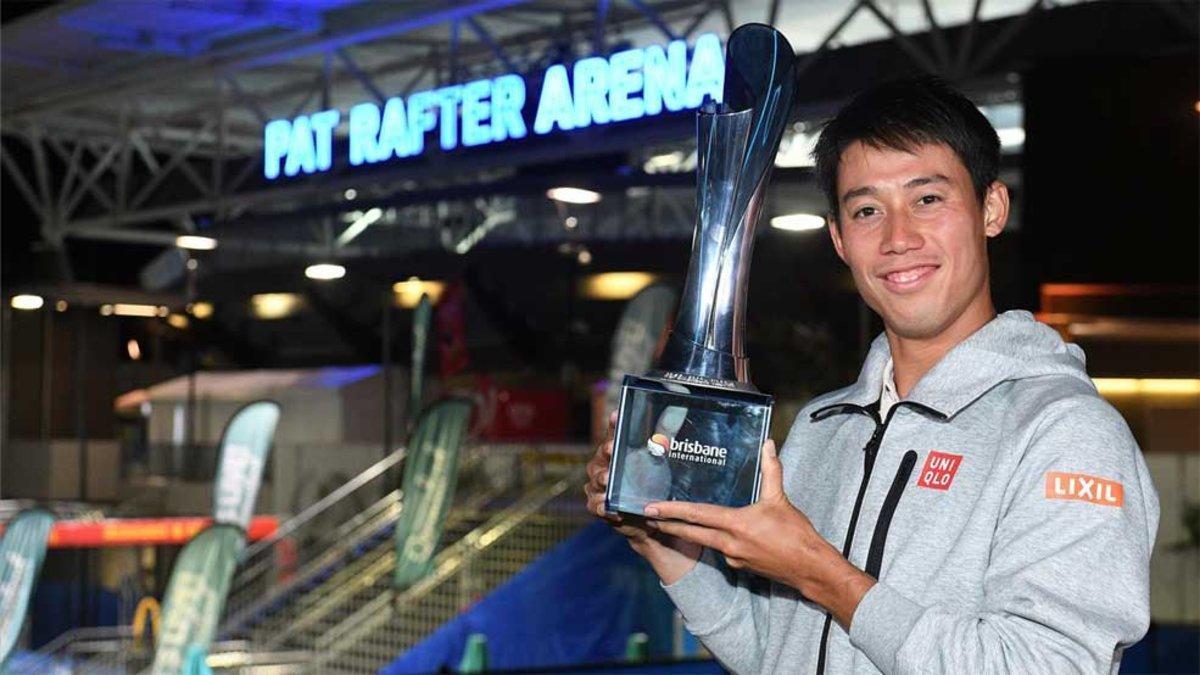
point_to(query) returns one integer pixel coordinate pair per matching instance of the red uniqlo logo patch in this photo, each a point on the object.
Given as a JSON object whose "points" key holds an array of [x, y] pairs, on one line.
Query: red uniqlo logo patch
{"points": [[939, 470]]}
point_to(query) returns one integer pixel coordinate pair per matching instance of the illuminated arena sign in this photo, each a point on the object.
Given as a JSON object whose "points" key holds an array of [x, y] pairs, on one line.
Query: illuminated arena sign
{"points": [[627, 85]]}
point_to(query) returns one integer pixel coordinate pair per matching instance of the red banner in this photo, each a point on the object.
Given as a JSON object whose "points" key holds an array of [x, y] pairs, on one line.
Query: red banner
{"points": [[450, 322], [142, 531]]}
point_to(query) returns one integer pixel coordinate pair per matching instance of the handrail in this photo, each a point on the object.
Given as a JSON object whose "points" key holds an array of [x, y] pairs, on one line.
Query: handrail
{"points": [[449, 561], [379, 510], [83, 633], [321, 505], [250, 571], [375, 567]]}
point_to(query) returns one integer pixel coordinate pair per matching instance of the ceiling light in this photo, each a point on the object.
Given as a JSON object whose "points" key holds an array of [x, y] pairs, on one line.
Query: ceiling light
{"points": [[134, 349], [669, 162], [270, 306], [584, 257], [616, 285], [201, 310], [130, 309], [409, 292], [350, 193], [195, 242], [325, 271], [61, 306], [26, 302], [178, 321], [1125, 386], [573, 195], [798, 222]]}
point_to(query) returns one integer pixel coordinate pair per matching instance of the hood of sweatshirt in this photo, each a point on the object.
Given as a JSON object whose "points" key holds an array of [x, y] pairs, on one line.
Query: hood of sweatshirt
{"points": [[1012, 346]]}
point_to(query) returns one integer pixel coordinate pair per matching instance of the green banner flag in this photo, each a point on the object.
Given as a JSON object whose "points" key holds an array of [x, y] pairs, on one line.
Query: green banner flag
{"points": [[430, 473], [420, 345], [244, 448], [22, 550], [195, 596]]}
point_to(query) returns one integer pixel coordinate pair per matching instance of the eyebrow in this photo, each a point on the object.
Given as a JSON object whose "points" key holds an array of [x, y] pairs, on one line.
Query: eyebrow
{"points": [[916, 182]]}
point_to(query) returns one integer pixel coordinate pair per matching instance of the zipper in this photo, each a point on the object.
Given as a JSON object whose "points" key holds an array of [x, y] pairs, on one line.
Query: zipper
{"points": [[870, 450], [884, 523]]}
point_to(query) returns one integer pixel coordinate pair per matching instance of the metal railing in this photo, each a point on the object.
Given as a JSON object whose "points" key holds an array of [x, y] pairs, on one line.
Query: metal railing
{"points": [[388, 623], [75, 645], [336, 612], [273, 566]]}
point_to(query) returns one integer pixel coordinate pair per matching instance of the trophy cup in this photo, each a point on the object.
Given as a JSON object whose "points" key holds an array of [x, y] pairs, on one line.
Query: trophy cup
{"points": [[692, 429]]}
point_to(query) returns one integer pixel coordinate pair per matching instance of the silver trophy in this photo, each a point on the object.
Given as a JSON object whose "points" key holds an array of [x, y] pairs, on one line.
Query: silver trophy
{"points": [[692, 429]]}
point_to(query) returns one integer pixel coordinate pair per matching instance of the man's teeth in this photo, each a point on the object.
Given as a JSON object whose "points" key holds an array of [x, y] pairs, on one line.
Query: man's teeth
{"points": [[906, 276]]}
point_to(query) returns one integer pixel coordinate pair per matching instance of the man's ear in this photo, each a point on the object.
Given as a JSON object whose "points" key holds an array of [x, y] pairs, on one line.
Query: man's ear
{"points": [[836, 234], [995, 209]]}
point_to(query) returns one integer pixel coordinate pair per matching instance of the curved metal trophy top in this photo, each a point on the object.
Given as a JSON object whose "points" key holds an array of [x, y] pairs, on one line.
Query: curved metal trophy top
{"points": [[736, 143]]}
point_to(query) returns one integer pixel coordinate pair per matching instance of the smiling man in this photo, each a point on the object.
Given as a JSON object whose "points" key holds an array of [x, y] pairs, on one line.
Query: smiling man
{"points": [[970, 504]]}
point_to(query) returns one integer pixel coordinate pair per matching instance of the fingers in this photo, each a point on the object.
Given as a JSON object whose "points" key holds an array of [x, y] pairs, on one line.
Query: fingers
{"points": [[697, 534], [772, 471], [595, 501], [597, 475], [707, 515]]}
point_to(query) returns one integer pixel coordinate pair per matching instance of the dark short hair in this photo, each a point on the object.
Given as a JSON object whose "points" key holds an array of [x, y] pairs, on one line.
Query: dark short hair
{"points": [[903, 115]]}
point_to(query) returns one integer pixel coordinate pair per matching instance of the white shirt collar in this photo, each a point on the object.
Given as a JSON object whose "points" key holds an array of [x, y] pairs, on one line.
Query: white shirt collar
{"points": [[888, 395]]}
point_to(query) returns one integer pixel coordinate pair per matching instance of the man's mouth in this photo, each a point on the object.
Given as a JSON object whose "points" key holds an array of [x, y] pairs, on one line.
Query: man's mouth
{"points": [[908, 278]]}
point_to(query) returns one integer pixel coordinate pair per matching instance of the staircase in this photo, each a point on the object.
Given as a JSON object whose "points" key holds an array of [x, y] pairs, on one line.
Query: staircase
{"points": [[336, 612], [385, 623], [339, 607]]}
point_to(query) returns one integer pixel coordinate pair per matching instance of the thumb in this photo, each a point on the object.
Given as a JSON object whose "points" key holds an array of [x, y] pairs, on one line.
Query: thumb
{"points": [[772, 471]]}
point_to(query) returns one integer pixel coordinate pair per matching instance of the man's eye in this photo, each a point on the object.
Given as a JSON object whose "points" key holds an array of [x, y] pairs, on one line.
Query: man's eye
{"points": [[930, 199], [865, 212]]}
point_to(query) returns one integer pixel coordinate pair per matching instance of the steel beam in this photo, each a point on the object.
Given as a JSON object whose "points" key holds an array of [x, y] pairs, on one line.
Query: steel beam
{"points": [[22, 183], [363, 78], [487, 39], [653, 17]]}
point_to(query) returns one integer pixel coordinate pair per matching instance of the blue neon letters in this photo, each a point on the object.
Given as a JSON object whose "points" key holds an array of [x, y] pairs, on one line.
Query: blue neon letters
{"points": [[625, 86]]}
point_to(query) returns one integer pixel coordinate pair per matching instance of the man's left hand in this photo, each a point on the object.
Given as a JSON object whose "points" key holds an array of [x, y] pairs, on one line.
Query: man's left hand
{"points": [[771, 538]]}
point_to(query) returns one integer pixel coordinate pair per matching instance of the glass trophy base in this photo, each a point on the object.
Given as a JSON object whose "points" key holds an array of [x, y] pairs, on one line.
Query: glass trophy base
{"points": [[679, 441]]}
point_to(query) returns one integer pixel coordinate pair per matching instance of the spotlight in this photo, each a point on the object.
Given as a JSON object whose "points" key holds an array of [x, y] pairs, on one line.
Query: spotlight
{"points": [[573, 195], [408, 293], [26, 302], [270, 306], [798, 222], [195, 242], [616, 285], [325, 271], [201, 310]]}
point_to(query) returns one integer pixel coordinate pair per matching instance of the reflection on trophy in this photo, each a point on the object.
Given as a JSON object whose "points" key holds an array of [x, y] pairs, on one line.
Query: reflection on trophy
{"points": [[693, 429]]}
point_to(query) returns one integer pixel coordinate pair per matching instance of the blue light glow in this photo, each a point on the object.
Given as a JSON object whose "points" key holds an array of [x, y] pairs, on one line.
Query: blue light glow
{"points": [[627, 85]]}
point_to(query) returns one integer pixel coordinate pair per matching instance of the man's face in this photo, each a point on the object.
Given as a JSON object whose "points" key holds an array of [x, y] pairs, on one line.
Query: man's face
{"points": [[914, 236]]}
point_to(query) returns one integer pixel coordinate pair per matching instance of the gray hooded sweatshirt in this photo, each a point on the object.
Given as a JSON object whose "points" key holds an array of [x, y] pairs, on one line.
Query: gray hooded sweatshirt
{"points": [[1003, 506]]}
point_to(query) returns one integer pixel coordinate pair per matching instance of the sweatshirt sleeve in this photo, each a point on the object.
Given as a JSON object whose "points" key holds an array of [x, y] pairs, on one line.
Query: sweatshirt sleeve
{"points": [[725, 610], [1067, 588]]}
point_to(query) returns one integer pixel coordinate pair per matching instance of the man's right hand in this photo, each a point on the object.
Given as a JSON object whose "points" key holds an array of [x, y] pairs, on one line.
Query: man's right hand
{"points": [[671, 558]]}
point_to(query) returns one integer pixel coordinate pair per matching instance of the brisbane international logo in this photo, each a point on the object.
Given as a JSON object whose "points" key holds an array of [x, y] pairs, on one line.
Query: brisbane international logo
{"points": [[687, 450]]}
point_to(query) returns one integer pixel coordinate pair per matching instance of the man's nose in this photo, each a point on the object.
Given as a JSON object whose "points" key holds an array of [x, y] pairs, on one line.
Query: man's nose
{"points": [[900, 234]]}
